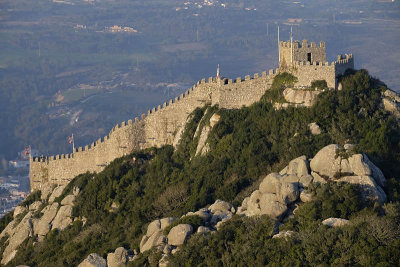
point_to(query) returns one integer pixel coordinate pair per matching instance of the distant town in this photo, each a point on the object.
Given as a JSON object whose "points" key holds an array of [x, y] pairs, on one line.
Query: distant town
{"points": [[14, 185]]}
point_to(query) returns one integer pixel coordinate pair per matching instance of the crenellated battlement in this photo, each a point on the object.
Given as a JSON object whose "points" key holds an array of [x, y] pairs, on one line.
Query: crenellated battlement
{"points": [[303, 44], [163, 124]]}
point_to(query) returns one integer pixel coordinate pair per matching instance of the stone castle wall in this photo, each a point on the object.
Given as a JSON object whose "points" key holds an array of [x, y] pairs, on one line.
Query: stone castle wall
{"points": [[163, 125], [307, 72], [156, 128]]}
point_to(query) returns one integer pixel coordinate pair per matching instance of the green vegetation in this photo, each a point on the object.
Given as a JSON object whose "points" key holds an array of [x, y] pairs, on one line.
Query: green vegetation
{"points": [[370, 240], [280, 83], [245, 145], [5, 220], [319, 84], [331, 200], [34, 196]]}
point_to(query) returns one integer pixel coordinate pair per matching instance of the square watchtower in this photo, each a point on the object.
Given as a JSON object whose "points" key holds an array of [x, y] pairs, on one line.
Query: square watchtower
{"points": [[290, 52]]}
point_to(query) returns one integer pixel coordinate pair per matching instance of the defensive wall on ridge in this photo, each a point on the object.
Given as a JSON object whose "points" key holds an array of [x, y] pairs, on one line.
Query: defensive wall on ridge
{"points": [[306, 71], [163, 124], [159, 126]]}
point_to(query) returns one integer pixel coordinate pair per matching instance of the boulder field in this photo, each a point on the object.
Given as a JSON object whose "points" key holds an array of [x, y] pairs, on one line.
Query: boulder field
{"points": [[277, 196], [38, 219]]}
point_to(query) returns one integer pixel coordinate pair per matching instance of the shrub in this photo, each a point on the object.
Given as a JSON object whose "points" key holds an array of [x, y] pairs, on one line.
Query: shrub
{"points": [[319, 84]]}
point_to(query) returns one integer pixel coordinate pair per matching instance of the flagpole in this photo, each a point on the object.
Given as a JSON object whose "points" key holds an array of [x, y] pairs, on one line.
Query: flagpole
{"points": [[279, 49], [73, 144]]}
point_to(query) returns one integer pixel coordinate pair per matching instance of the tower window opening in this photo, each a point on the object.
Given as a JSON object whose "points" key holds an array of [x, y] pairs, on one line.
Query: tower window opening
{"points": [[309, 57]]}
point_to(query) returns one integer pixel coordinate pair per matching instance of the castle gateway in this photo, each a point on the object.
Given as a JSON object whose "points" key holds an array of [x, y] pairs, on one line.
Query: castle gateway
{"points": [[164, 124]]}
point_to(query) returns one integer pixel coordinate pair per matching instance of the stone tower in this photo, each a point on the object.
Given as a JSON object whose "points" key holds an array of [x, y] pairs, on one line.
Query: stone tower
{"points": [[291, 52]]}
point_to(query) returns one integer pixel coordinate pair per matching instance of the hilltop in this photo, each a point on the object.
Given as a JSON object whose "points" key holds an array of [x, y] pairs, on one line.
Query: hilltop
{"points": [[228, 154]]}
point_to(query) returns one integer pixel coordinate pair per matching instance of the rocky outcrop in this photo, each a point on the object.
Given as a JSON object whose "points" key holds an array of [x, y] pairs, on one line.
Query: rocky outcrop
{"points": [[335, 222], [68, 200], [332, 163], [93, 260], [278, 194], [18, 235], [35, 206], [155, 236], [274, 195], [47, 216], [154, 240], [298, 96], [391, 102], [43, 225], [202, 146], [325, 162], [19, 210], [56, 193], [179, 234], [118, 258], [63, 218], [314, 128]]}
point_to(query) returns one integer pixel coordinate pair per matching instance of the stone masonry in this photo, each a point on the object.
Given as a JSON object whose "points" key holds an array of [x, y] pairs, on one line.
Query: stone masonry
{"points": [[160, 125]]}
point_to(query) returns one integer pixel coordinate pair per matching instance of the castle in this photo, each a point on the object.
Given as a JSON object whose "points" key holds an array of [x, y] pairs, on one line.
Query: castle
{"points": [[164, 124]]}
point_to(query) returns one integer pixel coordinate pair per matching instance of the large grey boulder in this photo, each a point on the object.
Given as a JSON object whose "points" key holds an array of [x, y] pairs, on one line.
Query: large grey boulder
{"points": [[274, 209], [68, 200], [288, 192], [270, 183], [165, 222], [179, 234], [297, 167], [362, 166], [63, 218], [93, 260], [148, 242], [371, 190], [326, 162], [153, 227], [302, 97], [43, 225], [118, 259], [264, 204], [276, 191], [222, 206], [335, 222], [56, 193]]}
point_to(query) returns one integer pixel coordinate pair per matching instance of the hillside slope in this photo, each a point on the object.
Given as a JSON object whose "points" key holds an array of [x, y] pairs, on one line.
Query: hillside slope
{"points": [[113, 208]]}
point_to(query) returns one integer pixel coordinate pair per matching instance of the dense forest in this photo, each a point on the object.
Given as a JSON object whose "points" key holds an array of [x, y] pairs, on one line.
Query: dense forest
{"points": [[245, 145]]}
